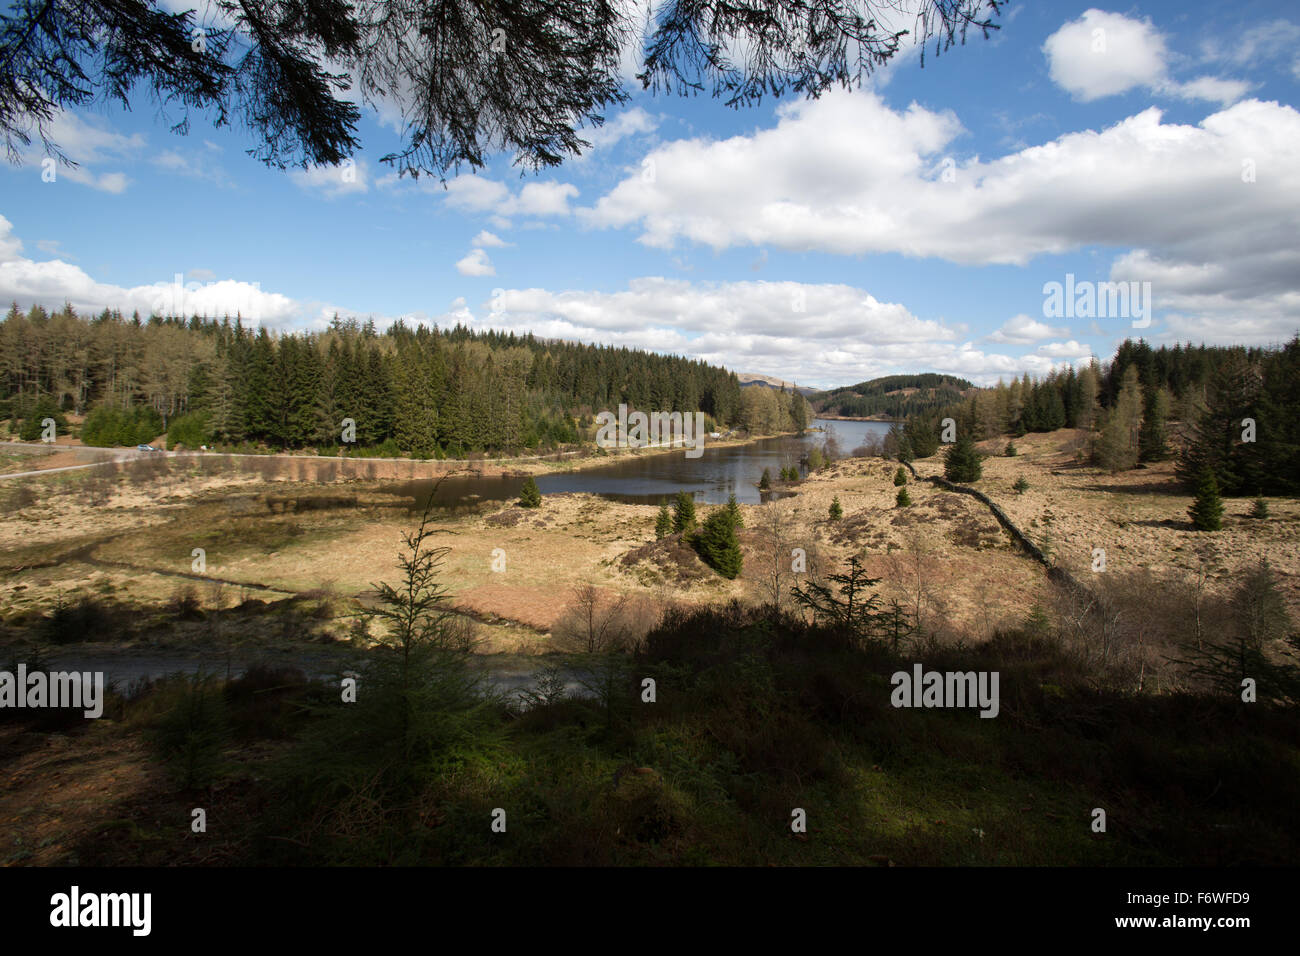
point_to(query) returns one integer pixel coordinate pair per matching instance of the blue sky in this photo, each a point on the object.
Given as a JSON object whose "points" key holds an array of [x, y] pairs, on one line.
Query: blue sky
{"points": [[907, 226]]}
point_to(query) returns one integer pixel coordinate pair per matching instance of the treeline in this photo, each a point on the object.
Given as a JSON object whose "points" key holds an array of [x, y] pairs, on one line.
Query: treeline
{"points": [[1239, 411], [894, 396], [427, 392]]}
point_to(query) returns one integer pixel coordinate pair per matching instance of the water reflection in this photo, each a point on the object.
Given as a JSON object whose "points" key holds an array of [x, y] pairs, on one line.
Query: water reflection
{"points": [[721, 471]]}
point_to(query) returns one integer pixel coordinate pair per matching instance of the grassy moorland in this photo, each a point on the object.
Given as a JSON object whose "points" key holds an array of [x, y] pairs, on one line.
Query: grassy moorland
{"points": [[759, 710]]}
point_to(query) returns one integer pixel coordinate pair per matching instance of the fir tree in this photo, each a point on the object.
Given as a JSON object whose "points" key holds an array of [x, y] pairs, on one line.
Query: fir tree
{"points": [[962, 462], [530, 496], [903, 499], [1207, 510], [836, 512], [733, 512], [900, 477], [1260, 510], [718, 546], [664, 522], [1151, 437], [765, 483], [683, 513], [1021, 486]]}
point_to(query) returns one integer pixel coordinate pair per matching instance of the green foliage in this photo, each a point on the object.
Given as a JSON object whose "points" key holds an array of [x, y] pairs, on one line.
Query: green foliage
{"points": [[893, 396], [900, 477], [1207, 509], [1152, 445], [816, 460], [1020, 486], [683, 513], [530, 496], [1260, 509], [851, 605], [733, 512], [193, 730], [421, 708], [765, 483], [903, 499], [961, 464], [836, 512], [1010, 450], [28, 417], [191, 430], [664, 522], [108, 425], [717, 544]]}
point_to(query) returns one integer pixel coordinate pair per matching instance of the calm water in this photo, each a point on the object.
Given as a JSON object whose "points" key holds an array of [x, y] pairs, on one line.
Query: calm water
{"points": [[721, 471]]}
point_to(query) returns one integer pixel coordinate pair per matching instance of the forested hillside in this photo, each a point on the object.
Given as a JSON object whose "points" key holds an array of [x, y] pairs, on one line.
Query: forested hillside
{"points": [[1237, 411], [427, 392], [894, 396]]}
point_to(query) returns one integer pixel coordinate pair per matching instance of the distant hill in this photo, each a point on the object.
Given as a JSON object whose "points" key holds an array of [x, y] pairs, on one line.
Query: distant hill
{"points": [[748, 378], [894, 396]]}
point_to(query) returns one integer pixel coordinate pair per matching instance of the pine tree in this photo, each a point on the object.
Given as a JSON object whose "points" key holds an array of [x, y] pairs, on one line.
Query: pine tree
{"points": [[962, 463], [664, 522], [836, 512], [903, 499], [1010, 450], [1118, 448], [718, 546], [733, 512], [1207, 510], [530, 496], [765, 483], [1021, 486], [1260, 510], [1151, 437], [900, 477], [683, 513]]}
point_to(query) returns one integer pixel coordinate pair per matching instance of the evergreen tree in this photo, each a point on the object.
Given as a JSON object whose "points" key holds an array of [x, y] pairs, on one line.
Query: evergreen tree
{"points": [[530, 496], [900, 477], [1117, 450], [962, 462], [1021, 485], [1010, 450], [733, 512], [664, 522], [836, 512], [1207, 509], [683, 513], [1260, 509], [718, 546], [903, 499], [1151, 437], [765, 483]]}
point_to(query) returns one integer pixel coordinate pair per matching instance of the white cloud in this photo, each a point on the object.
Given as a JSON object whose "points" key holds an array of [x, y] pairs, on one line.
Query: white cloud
{"points": [[195, 164], [875, 183], [350, 176], [1021, 330], [476, 263], [842, 335], [87, 142], [1103, 54], [631, 122], [54, 282], [474, 193], [489, 240]]}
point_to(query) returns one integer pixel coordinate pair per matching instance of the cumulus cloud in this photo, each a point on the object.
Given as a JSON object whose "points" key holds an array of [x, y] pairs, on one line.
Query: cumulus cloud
{"points": [[877, 182], [348, 177], [90, 144], [474, 193], [476, 263], [1021, 330], [489, 240], [54, 282], [1104, 54], [830, 334], [632, 122]]}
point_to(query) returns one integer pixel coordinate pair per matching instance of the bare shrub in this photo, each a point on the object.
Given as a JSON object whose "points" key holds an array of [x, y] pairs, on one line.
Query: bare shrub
{"points": [[598, 622]]}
